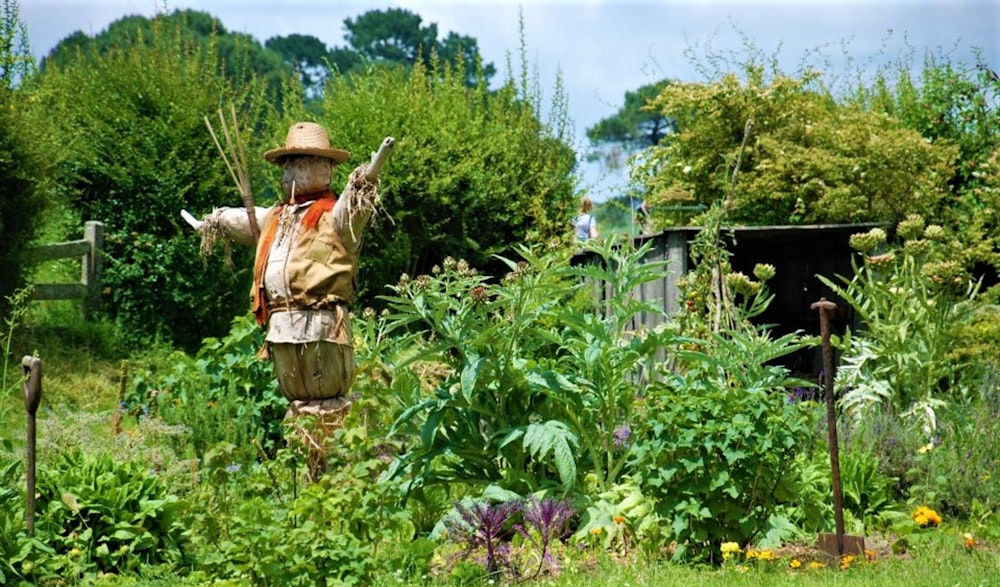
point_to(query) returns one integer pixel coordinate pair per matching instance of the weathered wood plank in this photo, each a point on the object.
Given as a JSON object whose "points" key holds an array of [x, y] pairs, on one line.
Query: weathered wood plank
{"points": [[58, 251], [60, 291]]}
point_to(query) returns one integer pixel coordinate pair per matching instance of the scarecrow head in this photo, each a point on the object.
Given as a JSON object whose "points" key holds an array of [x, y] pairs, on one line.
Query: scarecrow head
{"points": [[307, 159]]}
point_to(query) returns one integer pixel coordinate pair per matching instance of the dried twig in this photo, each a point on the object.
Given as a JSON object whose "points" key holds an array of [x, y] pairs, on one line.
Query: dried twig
{"points": [[235, 158]]}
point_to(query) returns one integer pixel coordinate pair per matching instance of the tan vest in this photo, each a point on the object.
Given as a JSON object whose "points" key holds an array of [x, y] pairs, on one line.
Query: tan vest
{"points": [[321, 270]]}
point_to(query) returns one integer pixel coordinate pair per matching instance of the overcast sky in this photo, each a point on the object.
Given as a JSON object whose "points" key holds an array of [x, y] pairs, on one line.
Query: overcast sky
{"points": [[601, 48]]}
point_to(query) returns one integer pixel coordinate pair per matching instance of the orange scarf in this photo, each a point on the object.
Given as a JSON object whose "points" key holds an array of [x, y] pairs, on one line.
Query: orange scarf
{"points": [[323, 202]]}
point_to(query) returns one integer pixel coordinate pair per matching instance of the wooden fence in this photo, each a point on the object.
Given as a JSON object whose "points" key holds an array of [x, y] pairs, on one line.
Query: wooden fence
{"points": [[89, 249]]}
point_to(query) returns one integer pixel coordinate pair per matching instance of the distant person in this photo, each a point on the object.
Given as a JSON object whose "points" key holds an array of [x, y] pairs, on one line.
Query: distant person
{"points": [[585, 225], [640, 215]]}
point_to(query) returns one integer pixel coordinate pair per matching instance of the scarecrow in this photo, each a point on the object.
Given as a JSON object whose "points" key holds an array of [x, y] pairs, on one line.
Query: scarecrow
{"points": [[304, 273]]}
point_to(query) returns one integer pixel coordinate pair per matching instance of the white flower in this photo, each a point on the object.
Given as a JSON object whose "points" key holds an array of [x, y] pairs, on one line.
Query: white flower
{"points": [[687, 169]]}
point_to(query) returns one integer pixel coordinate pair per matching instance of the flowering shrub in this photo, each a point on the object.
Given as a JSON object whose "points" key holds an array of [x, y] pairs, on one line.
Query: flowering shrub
{"points": [[913, 299]]}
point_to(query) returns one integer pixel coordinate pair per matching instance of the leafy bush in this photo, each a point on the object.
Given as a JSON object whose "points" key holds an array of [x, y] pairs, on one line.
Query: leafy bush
{"points": [[536, 394], [806, 159], [141, 152], [23, 168], [109, 514], [23, 558], [224, 394], [868, 493], [267, 531], [475, 171], [716, 451], [957, 470]]}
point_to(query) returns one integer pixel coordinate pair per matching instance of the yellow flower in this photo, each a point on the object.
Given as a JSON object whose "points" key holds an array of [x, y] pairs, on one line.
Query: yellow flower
{"points": [[619, 520], [796, 563], [925, 516], [845, 561], [926, 448], [816, 565], [729, 550], [764, 555], [870, 555], [596, 531], [970, 541]]}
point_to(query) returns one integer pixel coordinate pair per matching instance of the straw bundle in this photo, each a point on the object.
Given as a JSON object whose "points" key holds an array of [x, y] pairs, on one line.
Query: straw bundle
{"points": [[235, 158]]}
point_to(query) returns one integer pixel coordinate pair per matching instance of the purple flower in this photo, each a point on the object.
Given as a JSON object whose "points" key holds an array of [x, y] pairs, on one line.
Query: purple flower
{"points": [[481, 526], [621, 435]]}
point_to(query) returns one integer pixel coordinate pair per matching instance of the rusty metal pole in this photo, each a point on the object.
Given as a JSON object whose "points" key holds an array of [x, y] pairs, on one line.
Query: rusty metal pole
{"points": [[824, 306], [32, 367]]}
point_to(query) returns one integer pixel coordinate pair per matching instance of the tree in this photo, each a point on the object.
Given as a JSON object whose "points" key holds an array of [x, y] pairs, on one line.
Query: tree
{"points": [[397, 36], [239, 55], [957, 104], [473, 174], [796, 155], [16, 61], [137, 151], [23, 157], [307, 55], [634, 127]]}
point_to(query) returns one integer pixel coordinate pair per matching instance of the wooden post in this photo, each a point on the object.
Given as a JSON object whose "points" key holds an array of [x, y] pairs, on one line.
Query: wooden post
{"points": [[93, 265]]}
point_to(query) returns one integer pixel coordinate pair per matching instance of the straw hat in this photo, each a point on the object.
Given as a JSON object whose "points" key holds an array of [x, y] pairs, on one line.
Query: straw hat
{"points": [[307, 138]]}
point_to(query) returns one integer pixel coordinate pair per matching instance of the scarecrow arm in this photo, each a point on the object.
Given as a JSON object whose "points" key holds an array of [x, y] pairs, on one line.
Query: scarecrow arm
{"points": [[360, 197], [232, 224], [379, 159]]}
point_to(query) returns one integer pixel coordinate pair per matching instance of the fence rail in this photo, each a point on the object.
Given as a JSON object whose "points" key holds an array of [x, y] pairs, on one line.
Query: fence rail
{"points": [[89, 249]]}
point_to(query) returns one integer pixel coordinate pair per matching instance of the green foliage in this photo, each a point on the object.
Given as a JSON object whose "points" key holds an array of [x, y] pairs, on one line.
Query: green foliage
{"points": [[957, 471], [946, 101], [106, 514], [868, 493], [225, 394], [474, 172], [266, 531], [141, 152], [807, 159], [16, 61], [23, 558], [716, 452], [23, 165], [912, 299], [238, 56], [956, 104], [18, 307], [536, 393]]}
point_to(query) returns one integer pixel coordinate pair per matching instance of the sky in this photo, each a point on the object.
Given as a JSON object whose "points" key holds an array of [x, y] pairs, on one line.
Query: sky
{"points": [[602, 48]]}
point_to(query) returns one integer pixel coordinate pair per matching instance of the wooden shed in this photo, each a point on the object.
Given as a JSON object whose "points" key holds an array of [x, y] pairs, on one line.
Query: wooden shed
{"points": [[798, 253]]}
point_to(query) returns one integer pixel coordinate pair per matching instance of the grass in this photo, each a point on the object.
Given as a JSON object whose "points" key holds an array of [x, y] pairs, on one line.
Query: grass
{"points": [[939, 562]]}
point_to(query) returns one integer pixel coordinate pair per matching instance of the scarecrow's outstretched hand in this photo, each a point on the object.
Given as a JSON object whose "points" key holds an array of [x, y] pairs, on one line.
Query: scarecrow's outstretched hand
{"points": [[232, 224], [194, 222]]}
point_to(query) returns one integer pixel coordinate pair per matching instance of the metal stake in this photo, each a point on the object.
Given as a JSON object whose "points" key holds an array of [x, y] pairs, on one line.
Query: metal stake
{"points": [[824, 307], [32, 368]]}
